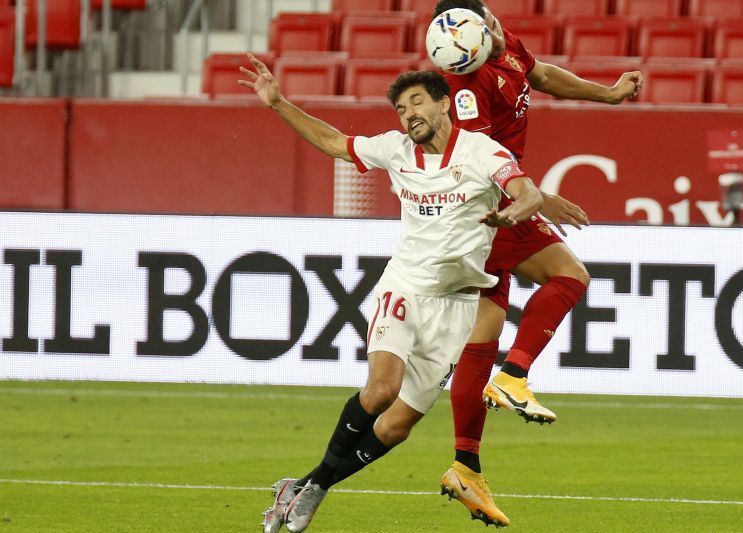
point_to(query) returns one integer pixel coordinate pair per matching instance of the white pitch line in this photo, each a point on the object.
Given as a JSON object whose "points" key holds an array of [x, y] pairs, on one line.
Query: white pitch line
{"points": [[339, 398], [115, 484]]}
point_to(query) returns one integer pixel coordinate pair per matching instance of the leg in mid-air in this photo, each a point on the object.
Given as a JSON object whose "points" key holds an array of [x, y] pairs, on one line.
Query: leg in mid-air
{"points": [[564, 280], [463, 480]]}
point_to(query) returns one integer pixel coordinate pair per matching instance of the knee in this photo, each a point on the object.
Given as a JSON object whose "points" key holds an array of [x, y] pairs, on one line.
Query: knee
{"points": [[581, 274], [392, 433], [577, 270], [377, 396]]}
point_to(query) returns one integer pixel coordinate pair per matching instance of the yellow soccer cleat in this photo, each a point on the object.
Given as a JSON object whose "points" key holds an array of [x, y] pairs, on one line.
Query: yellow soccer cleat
{"points": [[470, 488], [514, 394]]}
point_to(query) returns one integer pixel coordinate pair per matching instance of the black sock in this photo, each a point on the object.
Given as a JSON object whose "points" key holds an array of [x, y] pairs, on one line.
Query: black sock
{"points": [[468, 459], [369, 449], [352, 425], [303, 481], [513, 370]]}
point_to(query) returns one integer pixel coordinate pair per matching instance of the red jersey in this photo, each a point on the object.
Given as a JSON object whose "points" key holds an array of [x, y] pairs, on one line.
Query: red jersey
{"points": [[494, 98]]}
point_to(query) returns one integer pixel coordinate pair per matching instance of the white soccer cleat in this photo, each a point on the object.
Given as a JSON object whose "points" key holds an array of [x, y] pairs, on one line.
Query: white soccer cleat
{"points": [[273, 517], [302, 508]]}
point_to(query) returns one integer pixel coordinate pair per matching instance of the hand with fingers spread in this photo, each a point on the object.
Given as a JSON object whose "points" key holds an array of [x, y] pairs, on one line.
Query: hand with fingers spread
{"points": [[560, 211], [498, 219], [261, 81]]}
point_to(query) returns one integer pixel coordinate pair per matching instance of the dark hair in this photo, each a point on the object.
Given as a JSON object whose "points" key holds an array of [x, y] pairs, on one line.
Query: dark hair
{"points": [[433, 82], [473, 5]]}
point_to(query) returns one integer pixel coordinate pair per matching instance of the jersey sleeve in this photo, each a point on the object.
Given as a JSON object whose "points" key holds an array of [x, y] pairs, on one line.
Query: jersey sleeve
{"points": [[501, 164], [373, 152], [527, 58], [471, 97]]}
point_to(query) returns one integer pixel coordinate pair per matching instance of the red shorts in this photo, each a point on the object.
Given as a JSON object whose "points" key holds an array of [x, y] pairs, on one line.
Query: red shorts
{"points": [[511, 247]]}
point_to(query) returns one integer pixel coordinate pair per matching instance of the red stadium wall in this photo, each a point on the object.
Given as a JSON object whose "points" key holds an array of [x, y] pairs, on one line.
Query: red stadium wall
{"points": [[624, 163], [32, 153], [650, 148]]}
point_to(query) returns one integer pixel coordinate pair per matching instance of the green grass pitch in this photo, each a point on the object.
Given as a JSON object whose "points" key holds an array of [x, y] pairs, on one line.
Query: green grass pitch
{"points": [[109, 457]]}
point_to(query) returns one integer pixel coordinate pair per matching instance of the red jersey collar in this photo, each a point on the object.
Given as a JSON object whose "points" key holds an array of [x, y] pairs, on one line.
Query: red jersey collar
{"points": [[447, 152]]}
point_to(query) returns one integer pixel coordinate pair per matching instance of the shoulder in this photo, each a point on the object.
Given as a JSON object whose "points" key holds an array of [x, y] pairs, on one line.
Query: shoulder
{"points": [[474, 81], [518, 49], [389, 138], [483, 143]]}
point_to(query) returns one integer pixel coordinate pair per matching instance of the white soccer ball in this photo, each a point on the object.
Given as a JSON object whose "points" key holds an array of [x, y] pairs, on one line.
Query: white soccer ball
{"points": [[458, 41]]}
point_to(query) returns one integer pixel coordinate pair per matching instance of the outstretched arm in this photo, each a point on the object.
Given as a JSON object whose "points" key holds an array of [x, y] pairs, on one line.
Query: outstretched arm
{"points": [[527, 201], [559, 82], [558, 210], [320, 134]]}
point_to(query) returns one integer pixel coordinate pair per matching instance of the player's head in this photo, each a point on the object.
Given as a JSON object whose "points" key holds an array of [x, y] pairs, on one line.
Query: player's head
{"points": [[479, 7], [421, 99]]}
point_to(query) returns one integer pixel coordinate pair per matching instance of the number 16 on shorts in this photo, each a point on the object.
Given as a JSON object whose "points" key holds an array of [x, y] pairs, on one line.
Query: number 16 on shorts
{"points": [[392, 327]]}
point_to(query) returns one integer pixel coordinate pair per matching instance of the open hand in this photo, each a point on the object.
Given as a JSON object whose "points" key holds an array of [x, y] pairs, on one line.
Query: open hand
{"points": [[261, 81], [558, 210]]}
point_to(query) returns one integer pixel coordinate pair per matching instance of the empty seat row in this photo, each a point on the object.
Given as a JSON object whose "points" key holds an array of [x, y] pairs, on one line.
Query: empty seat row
{"points": [[334, 73], [619, 36], [389, 35], [724, 9], [63, 20], [688, 81], [325, 73]]}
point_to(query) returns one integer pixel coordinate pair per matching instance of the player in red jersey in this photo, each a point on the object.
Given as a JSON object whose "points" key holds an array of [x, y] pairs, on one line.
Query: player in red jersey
{"points": [[494, 100]]}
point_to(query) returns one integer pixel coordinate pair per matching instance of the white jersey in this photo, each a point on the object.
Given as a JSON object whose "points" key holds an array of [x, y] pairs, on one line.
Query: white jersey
{"points": [[443, 246]]}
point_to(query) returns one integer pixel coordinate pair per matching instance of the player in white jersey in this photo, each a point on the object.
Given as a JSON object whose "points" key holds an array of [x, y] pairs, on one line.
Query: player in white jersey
{"points": [[449, 183]]}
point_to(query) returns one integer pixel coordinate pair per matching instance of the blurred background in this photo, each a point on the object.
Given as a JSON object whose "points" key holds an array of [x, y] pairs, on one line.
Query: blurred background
{"points": [[89, 86]]}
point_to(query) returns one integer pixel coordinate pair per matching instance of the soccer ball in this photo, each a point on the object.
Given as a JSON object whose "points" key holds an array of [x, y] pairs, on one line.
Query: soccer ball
{"points": [[458, 41]]}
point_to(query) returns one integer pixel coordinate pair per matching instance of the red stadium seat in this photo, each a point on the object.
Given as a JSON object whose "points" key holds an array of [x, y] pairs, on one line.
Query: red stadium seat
{"points": [[62, 24], [303, 76], [121, 4], [681, 82], [372, 78], [720, 9], [221, 72], [605, 71], [728, 40], [597, 36], [649, 8], [362, 5], [362, 36], [727, 83], [576, 7], [301, 31], [423, 8], [671, 38], [539, 34], [7, 45], [427, 64], [511, 8]]}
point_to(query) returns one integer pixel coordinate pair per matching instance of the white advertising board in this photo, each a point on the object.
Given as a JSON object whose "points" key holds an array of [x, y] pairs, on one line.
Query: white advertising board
{"points": [[284, 301]]}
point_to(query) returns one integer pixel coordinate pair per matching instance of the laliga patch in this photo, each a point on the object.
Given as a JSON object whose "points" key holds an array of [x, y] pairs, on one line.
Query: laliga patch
{"points": [[466, 105]]}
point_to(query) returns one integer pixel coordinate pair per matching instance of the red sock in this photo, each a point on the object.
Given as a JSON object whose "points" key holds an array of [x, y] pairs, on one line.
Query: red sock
{"points": [[470, 377], [543, 313]]}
